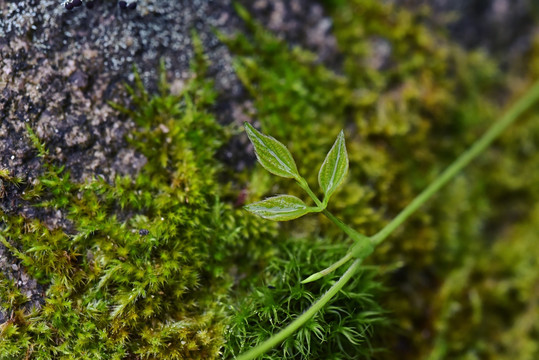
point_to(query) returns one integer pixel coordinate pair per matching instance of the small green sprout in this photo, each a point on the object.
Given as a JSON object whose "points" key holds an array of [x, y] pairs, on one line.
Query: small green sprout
{"points": [[276, 158], [272, 155], [281, 208], [334, 168]]}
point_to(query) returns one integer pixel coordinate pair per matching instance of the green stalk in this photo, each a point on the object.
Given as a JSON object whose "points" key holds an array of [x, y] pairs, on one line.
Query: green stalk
{"points": [[358, 239], [305, 186], [303, 318], [330, 269], [347, 229], [478, 147], [322, 206]]}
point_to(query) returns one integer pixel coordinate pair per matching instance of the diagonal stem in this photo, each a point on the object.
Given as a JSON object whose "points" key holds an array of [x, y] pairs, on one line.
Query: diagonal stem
{"points": [[305, 186], [303, 318], [477, 148], [347, 229], [337, 264]]}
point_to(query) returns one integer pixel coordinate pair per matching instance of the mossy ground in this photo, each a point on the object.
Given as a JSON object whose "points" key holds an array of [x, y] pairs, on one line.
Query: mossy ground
{"points": [[146, 268], [406, 117], [143, 269]]}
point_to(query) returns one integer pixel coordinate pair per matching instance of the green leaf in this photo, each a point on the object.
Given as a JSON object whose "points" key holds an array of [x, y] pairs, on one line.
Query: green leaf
{"points": [[334, 167], [280, 208], [273, 155]]}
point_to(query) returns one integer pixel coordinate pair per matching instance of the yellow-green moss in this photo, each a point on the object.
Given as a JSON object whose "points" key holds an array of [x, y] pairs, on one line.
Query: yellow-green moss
{"points": [[144, 268]]}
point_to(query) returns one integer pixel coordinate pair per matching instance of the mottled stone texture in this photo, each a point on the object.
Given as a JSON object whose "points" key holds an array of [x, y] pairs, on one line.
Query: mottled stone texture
{"points": [[505, 28], [59, 69]]}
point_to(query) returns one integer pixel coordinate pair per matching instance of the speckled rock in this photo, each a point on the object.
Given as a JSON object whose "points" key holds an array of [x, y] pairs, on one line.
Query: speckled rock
{"points": [[59, 69], [299, 22], [503, 27], [12, 269]]}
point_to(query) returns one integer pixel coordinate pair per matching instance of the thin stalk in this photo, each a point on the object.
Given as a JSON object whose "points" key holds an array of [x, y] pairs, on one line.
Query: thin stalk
{"points": [[479, 146], [303, 318], [330, 269], [347, 229], [357, 237], [305, 186]]}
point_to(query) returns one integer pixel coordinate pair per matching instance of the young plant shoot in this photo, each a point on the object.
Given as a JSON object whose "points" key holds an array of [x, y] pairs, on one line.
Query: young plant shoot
{"points": [[276, 158]]}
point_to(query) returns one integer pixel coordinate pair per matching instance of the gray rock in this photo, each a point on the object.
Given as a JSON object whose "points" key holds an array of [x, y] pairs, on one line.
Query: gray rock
{"points": [[503, 27]]}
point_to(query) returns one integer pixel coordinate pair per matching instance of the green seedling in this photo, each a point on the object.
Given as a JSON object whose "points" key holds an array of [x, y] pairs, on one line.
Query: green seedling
{"points": [[276, 158]]}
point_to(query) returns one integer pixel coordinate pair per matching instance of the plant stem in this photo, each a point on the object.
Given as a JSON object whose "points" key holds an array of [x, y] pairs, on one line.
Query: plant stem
{"points": [[479, 146], [305, 186], [357, 237], [347, 229], [303, 318], [330, 269]]}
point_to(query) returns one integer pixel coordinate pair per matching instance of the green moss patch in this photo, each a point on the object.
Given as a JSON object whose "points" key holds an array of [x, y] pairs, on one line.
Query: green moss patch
{"points": [[145, 265]]}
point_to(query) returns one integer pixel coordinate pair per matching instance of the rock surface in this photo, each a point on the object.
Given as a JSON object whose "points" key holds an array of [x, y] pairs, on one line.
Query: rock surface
{"points": [[61, 67], [504, 28]]}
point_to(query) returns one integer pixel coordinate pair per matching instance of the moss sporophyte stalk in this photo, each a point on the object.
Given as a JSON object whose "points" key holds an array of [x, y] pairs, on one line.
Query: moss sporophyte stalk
{"points": [[275, 157]]}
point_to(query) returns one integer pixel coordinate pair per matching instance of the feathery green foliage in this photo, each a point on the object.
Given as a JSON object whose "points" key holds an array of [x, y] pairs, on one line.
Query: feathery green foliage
{"points": [[341, 331], [143, 267]]}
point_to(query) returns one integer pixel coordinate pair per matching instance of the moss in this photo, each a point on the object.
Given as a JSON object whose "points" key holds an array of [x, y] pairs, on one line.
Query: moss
{"points": [[7, 181], [497, 292], [143, 268], [406, 116], [342, 330]]}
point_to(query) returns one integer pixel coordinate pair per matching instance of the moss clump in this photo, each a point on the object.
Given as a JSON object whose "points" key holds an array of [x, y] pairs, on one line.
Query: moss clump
{"points": [[143, 267], [496, 292], [342, 330]]}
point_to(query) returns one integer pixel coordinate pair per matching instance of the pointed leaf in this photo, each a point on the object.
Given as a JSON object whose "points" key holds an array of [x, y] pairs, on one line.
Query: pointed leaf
{"points": [[279, 208], [334, 168], [271, 154]]}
